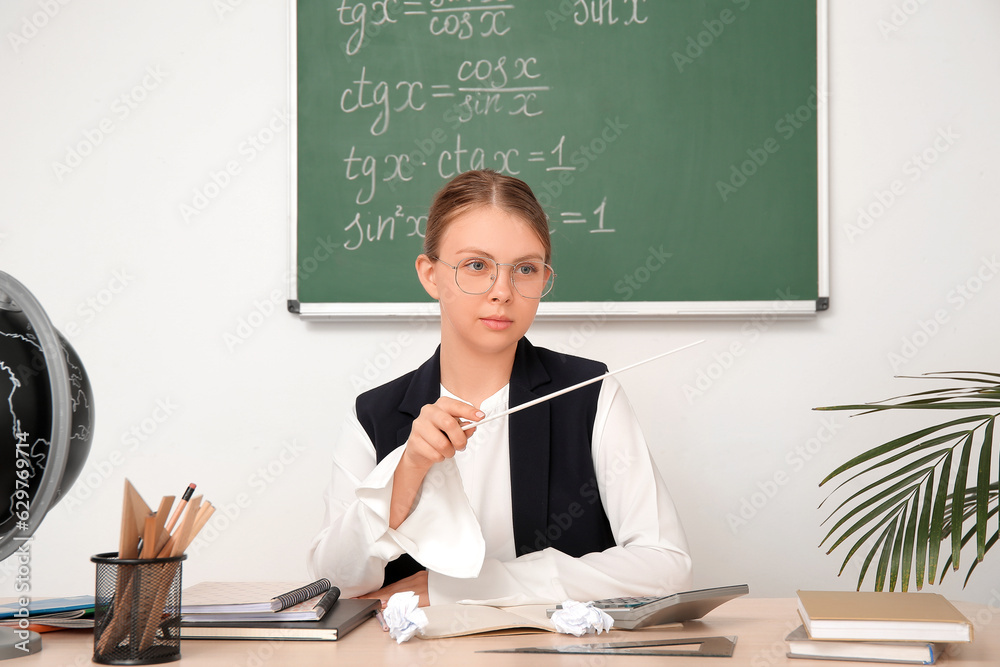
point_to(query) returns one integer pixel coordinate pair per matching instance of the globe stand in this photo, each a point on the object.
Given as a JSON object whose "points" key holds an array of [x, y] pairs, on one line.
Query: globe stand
{"points": [[15, 296], [13, 646]]}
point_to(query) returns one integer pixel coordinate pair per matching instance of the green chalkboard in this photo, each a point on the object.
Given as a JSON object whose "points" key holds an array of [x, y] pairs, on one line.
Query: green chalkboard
{"points": [[676, 145]]}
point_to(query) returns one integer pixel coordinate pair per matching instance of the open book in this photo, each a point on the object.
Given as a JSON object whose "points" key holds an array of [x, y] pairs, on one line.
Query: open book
{"points": [[456, 620]]}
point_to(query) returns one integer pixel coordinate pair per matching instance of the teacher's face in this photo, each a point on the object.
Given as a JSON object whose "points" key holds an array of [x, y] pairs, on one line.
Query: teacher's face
{"points": [[494, 321]]}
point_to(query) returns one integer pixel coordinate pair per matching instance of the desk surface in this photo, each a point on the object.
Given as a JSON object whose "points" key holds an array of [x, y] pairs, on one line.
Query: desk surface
{"points": [[760, 623]]}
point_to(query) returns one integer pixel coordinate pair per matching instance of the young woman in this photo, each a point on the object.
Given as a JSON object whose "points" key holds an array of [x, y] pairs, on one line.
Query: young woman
{"points": [[558, 501]]}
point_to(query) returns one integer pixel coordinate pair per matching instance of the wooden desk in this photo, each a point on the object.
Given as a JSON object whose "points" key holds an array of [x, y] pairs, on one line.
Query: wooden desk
{"points": [[760, 623]]}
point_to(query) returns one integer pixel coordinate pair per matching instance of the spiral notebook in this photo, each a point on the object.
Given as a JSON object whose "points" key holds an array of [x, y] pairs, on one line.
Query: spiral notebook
{"points": [[214, 601]]}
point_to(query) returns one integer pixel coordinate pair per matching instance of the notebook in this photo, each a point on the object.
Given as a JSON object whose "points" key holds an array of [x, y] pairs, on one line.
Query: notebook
{"points": [[335, 624], [235, 597], [312, 609]]}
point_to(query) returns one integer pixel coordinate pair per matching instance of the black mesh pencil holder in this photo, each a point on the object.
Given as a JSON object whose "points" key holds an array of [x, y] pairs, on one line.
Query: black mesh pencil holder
{"points": [[137, 610]]}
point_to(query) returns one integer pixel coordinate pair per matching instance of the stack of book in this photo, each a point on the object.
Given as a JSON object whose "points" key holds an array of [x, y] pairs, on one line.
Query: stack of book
{"points": [[879, 627], [50, 614], [270, 610]]}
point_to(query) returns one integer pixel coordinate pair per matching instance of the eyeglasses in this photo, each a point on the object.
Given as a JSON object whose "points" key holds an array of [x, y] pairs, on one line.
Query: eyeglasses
{"points": [[476, 275]]}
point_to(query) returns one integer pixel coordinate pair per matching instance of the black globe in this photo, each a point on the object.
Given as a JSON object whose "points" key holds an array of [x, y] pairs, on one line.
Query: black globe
{"points": [[27, 410]]}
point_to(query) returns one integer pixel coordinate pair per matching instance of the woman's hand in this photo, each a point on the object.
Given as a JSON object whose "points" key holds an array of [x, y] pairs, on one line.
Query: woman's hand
{"points": [[436, 435], [437, 432], [415, 582]]}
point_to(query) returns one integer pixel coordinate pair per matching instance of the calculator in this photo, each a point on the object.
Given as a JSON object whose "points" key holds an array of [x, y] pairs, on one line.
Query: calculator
{"points": [[632, 613]]}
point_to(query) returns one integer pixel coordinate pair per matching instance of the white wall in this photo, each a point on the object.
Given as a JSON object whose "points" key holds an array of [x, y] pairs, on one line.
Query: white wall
{"points": [[148, 298]]}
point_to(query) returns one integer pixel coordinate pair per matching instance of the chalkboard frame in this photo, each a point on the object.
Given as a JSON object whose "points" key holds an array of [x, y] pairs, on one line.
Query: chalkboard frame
{"points": [[575, 310]]}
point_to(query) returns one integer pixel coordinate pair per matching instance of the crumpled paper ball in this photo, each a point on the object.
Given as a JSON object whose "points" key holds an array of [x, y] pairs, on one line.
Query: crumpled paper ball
{"points": [[403, 616], [580, 618]]}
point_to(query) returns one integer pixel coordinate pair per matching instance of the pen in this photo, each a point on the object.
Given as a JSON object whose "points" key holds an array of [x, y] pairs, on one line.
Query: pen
{"points": [[468, 425], [180, 506], [381, 621]]}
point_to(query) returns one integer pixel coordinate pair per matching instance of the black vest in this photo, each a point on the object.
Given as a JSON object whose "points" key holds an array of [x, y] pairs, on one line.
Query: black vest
{"points": [[554, 494]]}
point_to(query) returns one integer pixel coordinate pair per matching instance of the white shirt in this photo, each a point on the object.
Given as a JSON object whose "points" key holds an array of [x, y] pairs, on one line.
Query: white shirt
{"points": [[460, 527]]}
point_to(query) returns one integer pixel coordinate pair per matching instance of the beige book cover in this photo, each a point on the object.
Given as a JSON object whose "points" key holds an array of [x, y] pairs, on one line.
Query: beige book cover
{"points": [[882, 615]]}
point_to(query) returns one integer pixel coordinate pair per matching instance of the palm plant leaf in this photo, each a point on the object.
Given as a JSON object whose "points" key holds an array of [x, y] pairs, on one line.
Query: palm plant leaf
{"points": [[967, 538], [992, 541], [923, 532], [906, 556], [881, 450], [883, 561], [938, 454], [871, 555], [922, 496], [893, 503], [937, 518], [958, 501], [983, 486], [861, 541]]}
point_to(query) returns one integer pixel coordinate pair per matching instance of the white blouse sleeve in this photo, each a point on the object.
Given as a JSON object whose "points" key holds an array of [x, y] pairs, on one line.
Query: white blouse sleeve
{"points": [[356, 542], [651, 554]]}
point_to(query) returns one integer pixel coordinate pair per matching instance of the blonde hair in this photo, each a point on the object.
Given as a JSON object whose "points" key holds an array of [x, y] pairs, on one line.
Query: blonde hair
{"points": [[485, 188]]}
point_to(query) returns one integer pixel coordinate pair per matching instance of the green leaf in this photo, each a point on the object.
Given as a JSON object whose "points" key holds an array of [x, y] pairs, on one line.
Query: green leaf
{"points": [[902, 471], [909, 490], [942, 375], [965, 540], [904, 509], [910, 532], [862, 540], [938, 404], [989, 545], [898, 442], [983, 484], [957, 502], [871, 555], [937, 518], [883, 561], [923, 531]]}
